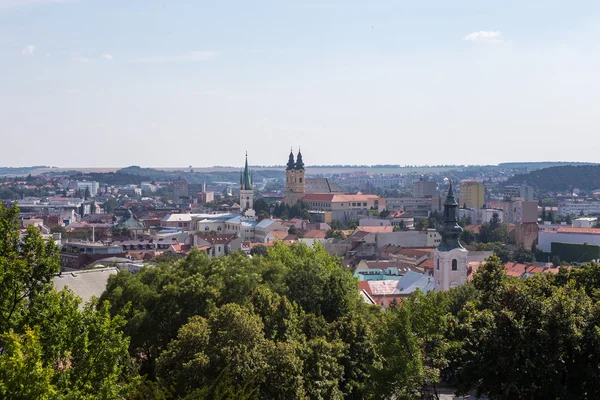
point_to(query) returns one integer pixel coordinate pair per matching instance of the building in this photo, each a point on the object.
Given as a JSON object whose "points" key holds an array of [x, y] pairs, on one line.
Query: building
{"points": [[130, 224], [84, 284], [574, 207], [516, 210], [180, 190], [205, 197], [423, 188], [480, 215], [450, 258], [343, 207], [567, 234], [92, 186], [417, 206], [473, 194], [79, 254], [297, 185], [247, 188], [522, 191], [588, 222]]}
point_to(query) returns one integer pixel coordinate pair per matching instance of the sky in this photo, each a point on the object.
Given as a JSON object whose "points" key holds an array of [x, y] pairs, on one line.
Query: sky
{"points": [[113, 83]]}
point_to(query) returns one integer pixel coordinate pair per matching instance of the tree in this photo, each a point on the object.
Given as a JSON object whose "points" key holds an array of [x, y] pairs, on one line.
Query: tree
{"points": [[262, 208], [51, 347], [59, 229], [422, 224], [333, 234], [467, 236], [522, 255], [494, 231], [23, 375], [259, 250], [292, 230], [556, 261], [110, 205], [27, 267]]}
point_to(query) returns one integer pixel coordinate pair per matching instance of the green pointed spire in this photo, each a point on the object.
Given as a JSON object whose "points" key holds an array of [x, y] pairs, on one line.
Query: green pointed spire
{"points": [[450, 199], [291, 164], [450, 230], [246, 179], [299, 162]]}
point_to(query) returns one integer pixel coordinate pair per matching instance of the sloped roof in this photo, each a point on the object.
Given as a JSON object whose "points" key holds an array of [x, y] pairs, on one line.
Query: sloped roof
{"points": [[85, 283], [315, 234], [416, 252], [374, 229]]}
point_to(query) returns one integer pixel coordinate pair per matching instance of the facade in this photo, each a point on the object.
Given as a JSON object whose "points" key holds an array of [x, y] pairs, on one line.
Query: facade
{"points": [[480, 215], [450, 258], [572, 207], [417, 206], [473, 194], [297, 185], [79, 254], [343, 207], [516, 210], [523, 191], [567, 235], [180, 190], [422, 188], [92, 186], [295, 179], [588, 222]]}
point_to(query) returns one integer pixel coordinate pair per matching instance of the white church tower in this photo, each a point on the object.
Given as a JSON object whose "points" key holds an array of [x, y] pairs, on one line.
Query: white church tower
{"points": [[450, 258], [246, 189]]}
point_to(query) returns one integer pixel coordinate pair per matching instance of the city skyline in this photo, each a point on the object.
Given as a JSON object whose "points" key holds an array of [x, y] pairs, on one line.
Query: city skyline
{"points": [[95, 84]]}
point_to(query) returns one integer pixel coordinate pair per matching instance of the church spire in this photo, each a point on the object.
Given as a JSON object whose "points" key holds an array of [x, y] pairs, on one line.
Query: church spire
{"points": [[450, 230], [246, 178], [291, 163], [299, 162]]}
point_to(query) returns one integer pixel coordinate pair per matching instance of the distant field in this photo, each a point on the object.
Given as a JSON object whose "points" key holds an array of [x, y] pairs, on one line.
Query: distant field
{"points": [[309, 170]]}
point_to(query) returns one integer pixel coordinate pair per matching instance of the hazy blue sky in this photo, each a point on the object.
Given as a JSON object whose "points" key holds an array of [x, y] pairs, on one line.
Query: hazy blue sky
{"points": [[174, 83]]}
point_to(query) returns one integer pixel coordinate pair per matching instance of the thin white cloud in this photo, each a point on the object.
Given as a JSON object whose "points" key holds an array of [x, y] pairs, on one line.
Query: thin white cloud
{"points": [[4, 4], [107, 57], [74, 91], [77, 58], [190, 56], [484, 36], [28, 50]]}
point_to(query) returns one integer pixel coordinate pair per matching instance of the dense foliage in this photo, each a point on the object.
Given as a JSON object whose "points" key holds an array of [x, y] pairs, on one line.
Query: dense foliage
{"points": [[50, 347], [288, 323], [560, 179]]}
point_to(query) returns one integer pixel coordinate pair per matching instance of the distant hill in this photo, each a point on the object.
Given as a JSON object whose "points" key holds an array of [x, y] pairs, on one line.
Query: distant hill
{"points": [[538, 164], [559, 179]]}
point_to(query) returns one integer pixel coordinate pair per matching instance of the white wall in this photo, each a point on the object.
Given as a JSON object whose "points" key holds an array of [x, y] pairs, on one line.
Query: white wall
{"points": [[545, 239]]}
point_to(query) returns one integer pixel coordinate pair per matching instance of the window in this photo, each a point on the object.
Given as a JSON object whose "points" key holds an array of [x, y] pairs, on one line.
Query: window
{"points": [[300, 180], [219, 228], [438, 263], [206, 229], [454, 265]]}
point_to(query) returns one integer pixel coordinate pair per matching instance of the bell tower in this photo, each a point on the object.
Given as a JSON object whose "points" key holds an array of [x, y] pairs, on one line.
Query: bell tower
{"points": [[246, 188], [450, 258], [295, 183]]}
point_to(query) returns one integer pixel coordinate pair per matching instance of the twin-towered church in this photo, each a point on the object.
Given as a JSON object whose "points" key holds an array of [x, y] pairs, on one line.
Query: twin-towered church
{"points": [[450, 257]]}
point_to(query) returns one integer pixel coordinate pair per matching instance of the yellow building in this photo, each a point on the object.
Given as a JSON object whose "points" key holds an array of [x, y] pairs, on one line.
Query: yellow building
{"points": [[473, 194]]}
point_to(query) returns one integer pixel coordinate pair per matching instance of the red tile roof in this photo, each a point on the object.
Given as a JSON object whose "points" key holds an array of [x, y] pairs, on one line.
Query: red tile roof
{"points": [[372, 229], [416, 252], [589, 231], [315, 234]]}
